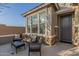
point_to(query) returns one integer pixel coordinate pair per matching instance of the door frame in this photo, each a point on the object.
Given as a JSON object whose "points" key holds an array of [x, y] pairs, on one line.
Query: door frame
{"points": [[59, 33]]}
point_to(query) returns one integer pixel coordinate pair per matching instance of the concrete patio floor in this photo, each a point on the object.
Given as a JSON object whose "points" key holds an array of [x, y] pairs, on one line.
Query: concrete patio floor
{"points": [[59, 49]]}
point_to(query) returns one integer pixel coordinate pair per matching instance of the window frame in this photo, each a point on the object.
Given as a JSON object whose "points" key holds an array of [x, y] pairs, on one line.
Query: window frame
{"points": [[38, 25], [41, 23], [34, 24], [27, 25]]}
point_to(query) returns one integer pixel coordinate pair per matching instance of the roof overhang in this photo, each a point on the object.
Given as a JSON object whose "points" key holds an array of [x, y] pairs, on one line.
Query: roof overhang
{"points": [[65, 11], [40, 7]]}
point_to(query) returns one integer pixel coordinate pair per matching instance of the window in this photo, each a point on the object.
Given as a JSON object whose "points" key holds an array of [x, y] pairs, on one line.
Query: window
{"points": [[34, 23], [28, 24], [42, 22]]}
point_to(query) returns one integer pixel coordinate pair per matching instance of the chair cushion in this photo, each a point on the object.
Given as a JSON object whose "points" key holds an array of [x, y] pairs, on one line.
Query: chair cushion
{"points": [[17, 39], [34, 46], [18, 44], [33, 39]]}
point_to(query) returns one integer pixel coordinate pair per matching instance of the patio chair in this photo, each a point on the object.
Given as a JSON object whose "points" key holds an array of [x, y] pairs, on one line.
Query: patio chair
{"points": [[18, 38], [17, 43], [35, 45]]}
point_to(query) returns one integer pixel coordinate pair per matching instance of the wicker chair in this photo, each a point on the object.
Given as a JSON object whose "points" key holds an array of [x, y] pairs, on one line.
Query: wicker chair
{"points": [[35, 46]]}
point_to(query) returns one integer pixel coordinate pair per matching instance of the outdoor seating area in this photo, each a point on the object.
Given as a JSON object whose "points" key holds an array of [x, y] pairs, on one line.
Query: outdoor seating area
{"points": [[20, 40], [35, 47], [50, 30], [59, 49]]}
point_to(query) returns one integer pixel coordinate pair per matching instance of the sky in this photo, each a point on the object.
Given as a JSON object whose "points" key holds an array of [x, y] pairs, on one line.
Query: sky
{"points": [[10, 14]]}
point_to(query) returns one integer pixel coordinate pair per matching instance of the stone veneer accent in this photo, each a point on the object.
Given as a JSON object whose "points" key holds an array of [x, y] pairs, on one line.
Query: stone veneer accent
{"points": [[75, 27], [53, 22]]}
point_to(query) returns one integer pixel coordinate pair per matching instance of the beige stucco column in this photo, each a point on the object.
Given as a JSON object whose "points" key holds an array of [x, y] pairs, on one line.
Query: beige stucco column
{"points": [[38, 23], [46, 14], [25, 24]]}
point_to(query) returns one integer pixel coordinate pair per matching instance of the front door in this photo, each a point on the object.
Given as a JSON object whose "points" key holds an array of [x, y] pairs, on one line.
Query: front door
{"points": [[66, 28]]}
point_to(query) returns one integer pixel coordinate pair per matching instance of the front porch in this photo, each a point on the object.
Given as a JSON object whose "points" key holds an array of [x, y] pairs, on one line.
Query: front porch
{"points": [[59, 49]]}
